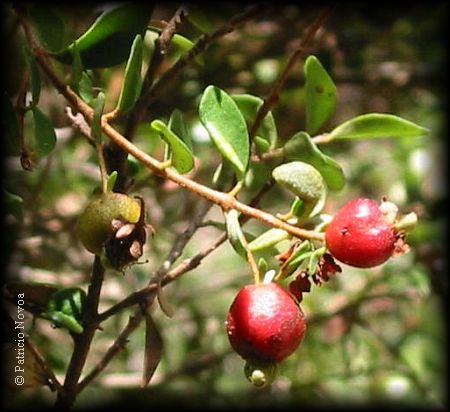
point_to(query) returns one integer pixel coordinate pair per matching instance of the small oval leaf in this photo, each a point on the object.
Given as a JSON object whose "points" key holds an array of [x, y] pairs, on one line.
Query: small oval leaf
{"points": [[374, 125], [44, 133], [108, 41], [182, 158], [234, 233], [182, 44], [178, 125], [301, 147], [77, 70], [226, 126], [249, 106], [111, 181], [65, 308], [321, 95], [306, 182], [268, 239], [85, 88], [131, 86], [301, 252]]}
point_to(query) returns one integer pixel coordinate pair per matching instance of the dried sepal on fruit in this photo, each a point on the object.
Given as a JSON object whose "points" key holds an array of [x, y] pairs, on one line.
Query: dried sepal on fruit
{"points": [[126, 243], [113, 226]]}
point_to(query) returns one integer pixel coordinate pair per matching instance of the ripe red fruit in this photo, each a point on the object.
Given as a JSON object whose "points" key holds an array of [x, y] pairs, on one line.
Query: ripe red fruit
{"points": [[264, 323], [361, 235]]}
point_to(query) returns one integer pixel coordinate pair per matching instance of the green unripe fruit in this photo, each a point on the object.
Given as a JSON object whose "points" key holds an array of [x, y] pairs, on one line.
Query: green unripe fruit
{"points": [[95, 223]]}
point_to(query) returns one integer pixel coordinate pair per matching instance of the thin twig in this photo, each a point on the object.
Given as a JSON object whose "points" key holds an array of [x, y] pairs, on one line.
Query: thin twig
{"points": [[139, 297], [224, 200], [118, 345], [82, 342], [279, 83], [175, 252], [151, 91], [160, 50], [199, 47]]}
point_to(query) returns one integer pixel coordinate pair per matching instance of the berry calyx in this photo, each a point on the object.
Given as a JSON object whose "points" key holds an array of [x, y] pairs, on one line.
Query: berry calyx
{"points": [[264, 323], [95, 224], [362, 233]]}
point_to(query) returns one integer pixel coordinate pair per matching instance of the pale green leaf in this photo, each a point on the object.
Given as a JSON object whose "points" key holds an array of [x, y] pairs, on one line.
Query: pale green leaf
{"points": [[321, 95], [373, 125], [182, 157], [226, 126]]}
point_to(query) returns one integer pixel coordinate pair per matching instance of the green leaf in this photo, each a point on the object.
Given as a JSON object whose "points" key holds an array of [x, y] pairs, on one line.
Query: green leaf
{"points": [[306, 182], [96, 127], [226, 126], [49, 26], [35, 77], [258, 174], [182, 157], [249, 106], [44, 133], [178, 125], [111, 181], [132, 82], [182, 44], [301, 147], [108, 41], [223, 175], [85, 88], [10, 127], [234, 233], [261, 145], [321, 96], [374, 125], [77, 70], [301, 252], [65, 308], [296, 207], [268, 239]]}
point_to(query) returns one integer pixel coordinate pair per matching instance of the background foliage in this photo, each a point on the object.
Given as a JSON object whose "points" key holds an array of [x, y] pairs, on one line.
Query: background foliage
{"points": [[373, 335]]}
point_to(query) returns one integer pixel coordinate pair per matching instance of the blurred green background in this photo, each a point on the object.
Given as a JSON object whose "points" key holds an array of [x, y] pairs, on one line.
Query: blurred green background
{"points": [[374, 336]]}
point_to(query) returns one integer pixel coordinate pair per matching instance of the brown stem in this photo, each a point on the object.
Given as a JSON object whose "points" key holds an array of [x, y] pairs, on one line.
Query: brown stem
{"points": [[118, 345], [277, 86], [200, 46], [151, 91], [117, 158], [82, 342], [222, 199], [147, 296]]}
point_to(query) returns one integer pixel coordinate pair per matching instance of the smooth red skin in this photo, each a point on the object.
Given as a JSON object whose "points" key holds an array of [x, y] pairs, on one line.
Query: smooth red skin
{"points": [[264, 323], [359, 236]]}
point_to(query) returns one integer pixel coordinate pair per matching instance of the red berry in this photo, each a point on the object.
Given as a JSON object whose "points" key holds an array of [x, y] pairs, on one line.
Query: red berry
{"points": [[264, 323], [360, 234]]}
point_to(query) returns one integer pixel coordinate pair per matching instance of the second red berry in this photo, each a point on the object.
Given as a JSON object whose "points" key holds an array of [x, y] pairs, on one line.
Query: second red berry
{"points": [[360, 235]]}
